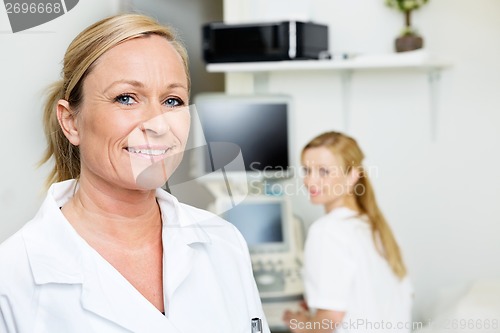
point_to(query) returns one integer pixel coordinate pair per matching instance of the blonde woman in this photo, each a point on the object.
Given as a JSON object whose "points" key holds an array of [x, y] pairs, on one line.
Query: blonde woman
{"points": [[355, 278], [109, 250]]}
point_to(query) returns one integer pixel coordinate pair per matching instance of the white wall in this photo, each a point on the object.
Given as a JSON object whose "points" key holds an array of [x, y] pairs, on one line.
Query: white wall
{"points": [[30, 61], [441, 197]]}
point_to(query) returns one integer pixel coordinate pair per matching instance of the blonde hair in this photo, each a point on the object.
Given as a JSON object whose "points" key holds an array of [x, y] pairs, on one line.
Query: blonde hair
{"points": [[79, 61], [351, 156]]}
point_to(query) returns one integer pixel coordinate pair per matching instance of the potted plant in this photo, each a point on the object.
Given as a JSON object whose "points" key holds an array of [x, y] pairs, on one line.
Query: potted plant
{"points": [[408, 39]]}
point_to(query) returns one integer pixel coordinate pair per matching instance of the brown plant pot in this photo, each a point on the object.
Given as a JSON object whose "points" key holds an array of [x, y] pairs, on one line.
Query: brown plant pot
{"points": [[409, 43]]}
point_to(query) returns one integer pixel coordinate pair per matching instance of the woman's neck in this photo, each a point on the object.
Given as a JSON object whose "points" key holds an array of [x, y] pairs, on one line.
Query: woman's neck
{"points": [[108, 215], [347, 201]]}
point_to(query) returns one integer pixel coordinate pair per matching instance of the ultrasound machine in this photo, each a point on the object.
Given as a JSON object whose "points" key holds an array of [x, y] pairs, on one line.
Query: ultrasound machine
{"points": [[274, 237], [248, 140]]}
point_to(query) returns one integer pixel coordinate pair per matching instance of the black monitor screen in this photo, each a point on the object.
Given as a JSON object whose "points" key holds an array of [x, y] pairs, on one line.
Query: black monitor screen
{"points": [[259, 223], [259, 128]]}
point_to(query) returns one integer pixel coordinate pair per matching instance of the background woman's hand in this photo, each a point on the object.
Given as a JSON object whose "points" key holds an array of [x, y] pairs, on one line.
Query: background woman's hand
{"points": [[296, 320]]}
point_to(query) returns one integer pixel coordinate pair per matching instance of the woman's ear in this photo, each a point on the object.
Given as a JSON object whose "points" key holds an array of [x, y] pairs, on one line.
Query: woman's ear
{"points": [[67, 121], [354, 176]]}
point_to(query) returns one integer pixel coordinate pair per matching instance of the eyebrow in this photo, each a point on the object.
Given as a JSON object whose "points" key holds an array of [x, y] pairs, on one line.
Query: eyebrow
{"points": [[130, 82], [177, 85], [139, 84]]}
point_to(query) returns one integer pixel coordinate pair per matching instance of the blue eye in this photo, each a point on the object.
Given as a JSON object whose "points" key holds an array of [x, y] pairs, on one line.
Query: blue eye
{"points": [[125, 99], [173, 102]]}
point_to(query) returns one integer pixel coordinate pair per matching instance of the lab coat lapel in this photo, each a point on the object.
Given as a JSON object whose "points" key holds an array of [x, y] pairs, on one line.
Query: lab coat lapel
{"points": [[107, 294], [181, 236], [179, 261]]}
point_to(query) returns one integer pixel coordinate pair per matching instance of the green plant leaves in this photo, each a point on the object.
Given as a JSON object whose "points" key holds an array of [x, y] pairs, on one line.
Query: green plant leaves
{"points": [[406, 5]]}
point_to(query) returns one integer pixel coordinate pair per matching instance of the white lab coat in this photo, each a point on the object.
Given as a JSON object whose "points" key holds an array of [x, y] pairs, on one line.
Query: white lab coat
{"points": [[343, 271], [52, 281]]}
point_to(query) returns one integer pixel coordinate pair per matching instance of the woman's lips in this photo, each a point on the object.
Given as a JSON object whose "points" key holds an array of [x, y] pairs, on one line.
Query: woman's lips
{"points": [[314, 193]]}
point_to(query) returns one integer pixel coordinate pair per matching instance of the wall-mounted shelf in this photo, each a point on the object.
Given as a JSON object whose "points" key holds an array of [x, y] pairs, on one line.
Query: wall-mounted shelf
{"points": [[415, 60], [360, 63]]}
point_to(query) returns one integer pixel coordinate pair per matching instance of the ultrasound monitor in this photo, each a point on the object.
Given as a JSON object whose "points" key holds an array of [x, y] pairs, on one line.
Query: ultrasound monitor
{"points": [[259, 223], [263, 222], [259, 125]]}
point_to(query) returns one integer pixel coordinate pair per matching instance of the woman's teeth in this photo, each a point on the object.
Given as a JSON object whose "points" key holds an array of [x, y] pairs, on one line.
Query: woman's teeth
{"points": [[154, 152]]}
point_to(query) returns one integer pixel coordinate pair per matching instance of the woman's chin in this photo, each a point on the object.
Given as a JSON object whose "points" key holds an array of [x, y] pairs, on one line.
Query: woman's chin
{"points": [[154, 175], [146, 183], [152, 178], [316, 200]]}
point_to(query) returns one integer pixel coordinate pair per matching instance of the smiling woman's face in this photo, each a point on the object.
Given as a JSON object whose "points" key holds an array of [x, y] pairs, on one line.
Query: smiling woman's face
{"points": [[133, 123], [325, 178]]}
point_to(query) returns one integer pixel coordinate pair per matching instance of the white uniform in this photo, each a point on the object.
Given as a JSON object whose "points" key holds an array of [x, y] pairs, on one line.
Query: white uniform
{"points": [[344, 272], [52, 281]]}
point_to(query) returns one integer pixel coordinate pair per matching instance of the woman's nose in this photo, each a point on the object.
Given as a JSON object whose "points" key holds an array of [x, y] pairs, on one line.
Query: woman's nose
{"points": [[307, 180], [157, 123]]}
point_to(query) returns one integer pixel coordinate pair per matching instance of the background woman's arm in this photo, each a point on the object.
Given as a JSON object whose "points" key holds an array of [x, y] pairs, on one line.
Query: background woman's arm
{"points": [[324, 321]]}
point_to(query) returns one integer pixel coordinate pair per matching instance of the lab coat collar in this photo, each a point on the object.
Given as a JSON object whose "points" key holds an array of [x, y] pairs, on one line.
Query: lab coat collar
{"points": [[57, 254], [345, 214], [181, 233], [175, 216], [51, 243]]}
